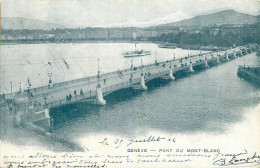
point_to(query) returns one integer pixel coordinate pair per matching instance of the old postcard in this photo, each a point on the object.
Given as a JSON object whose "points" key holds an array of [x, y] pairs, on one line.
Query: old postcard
{"points": [[129, 83]]}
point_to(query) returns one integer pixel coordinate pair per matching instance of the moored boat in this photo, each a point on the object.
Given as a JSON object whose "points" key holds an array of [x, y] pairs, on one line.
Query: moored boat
{"points": [[136, 53], [171, 46]]}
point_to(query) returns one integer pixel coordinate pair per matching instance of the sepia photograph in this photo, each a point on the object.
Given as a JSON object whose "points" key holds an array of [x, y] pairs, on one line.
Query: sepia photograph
{"points": [[129, 83]]}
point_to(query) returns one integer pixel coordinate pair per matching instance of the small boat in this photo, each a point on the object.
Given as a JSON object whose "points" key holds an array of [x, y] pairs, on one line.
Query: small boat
{"points": [[136, 53], [171, 46]]}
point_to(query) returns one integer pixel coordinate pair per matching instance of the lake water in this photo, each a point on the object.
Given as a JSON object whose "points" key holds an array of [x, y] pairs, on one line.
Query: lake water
{"points": [[71, 61], [210, 101]]}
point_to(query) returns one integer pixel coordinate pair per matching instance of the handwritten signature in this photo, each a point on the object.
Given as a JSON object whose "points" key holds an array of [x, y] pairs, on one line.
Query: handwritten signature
{"points": [[236, 159]]}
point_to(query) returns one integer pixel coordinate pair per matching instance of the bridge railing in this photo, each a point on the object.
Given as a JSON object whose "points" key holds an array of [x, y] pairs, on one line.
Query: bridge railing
{"points": [[86, 95], [125, 84], [212, 59], [90, 94], [39, 89], [56, 85], [250, 66], [113, 88]]}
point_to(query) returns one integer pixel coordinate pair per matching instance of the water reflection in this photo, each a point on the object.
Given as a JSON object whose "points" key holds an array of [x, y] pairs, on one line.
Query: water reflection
{"points": [[208, 101]]}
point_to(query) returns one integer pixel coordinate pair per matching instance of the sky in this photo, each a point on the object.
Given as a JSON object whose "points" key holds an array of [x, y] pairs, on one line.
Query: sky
{"points": [[91, 13]]}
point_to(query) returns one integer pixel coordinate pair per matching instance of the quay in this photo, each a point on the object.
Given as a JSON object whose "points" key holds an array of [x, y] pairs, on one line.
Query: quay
{"points": [[250, 73], [33, 105]]}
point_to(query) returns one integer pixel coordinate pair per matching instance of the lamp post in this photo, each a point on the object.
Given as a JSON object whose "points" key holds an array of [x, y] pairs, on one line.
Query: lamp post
{"points": [[156, 57], [12, 101], [11, 84], [45, 98], [98, 75], [28, 84], [190, 57], [49, 74], [50, 81], [52, 133], [20, 87]]}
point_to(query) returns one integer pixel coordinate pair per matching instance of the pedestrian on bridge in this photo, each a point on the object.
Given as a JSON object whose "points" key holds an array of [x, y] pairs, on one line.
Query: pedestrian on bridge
{"points": [[3, 95], [67, 98], [40, 105], [70, 96], [81, 92]]}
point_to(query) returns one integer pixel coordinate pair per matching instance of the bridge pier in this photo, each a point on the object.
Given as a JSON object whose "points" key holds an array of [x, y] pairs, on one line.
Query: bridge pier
{"points": [[50, 84], [234, 53], [170, 75], [227, 56], [47, 113], [218, 59], [142, 83], [206, 62], [99, 99], [241, 53], [191, 68], [17, 119]]}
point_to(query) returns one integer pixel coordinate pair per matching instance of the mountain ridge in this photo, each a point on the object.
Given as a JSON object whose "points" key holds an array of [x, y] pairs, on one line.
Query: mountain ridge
{"points": [[218, 18], [25, 23]]}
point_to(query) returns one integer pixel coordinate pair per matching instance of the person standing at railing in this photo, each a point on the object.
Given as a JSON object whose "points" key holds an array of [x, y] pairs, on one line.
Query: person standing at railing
{"points": [[70, 96], [67, 98], [81, 92], [3, 96]]}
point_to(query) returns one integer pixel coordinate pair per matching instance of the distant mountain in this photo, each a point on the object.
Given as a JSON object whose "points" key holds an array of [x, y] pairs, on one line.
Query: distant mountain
{"points": [[24, 23], [175, 19], [177, 16], [218, 18]]}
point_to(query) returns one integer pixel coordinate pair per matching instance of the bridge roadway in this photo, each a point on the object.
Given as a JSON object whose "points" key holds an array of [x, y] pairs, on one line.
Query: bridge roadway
{"points": [[47, 97]]}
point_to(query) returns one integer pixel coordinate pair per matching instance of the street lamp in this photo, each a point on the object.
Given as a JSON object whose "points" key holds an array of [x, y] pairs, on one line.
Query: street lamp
{"points": [[20, 88], [28, 84], [50, 81], [156, 57], [11, 84], [50, 74]]}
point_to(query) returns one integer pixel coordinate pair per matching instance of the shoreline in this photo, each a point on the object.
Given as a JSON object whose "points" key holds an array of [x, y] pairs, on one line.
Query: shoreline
{"points": [[183, 46], [15, 42]]}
